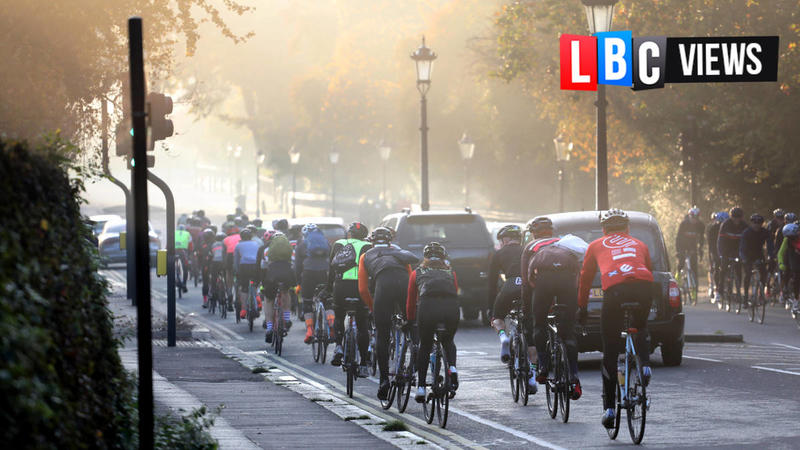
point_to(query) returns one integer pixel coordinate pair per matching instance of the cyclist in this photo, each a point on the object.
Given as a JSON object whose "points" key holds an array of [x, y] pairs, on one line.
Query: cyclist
{"points": [[217, 265], [689, 240], [204, 260], [245, 256], [226, 227], [551, 274], [343, 276], [751, 249], [183, 245], [281, 225], [627, 277], [311, 268], [434, 285], [383, 271], [230, 242], [259, 228], [505, 261], [712, 233], [201, 216], [279, 271], [730, 235]]}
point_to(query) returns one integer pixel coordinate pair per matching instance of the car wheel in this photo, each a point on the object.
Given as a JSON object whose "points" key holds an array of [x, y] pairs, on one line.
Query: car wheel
{"points": [[672, 353]]}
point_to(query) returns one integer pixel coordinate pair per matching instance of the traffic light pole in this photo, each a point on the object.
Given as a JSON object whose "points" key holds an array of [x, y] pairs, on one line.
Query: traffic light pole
{"points": [[141, 239], [170, 255], [131, 288]]}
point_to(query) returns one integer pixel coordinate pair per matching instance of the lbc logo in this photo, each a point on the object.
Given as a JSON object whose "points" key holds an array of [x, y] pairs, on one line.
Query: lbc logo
{"points": [[617, 58]]}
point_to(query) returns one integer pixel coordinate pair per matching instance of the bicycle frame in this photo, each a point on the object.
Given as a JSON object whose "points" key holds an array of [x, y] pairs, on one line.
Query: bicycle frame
{"points": [[630, 351]]}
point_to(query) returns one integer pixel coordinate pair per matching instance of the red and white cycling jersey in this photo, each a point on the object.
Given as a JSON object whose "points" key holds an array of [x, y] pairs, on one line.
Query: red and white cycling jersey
{"points": [[620, 258]]}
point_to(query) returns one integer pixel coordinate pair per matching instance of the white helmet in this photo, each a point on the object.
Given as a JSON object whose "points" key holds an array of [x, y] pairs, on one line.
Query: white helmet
{"points": [[614, 217]]}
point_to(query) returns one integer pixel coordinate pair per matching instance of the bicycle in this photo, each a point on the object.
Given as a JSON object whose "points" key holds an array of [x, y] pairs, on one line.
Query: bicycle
{"points": [[194, 271], [756, 300], [279, 330], [322, 331], [373, 360], [631, 390], [731, 277], [519, 367], [218, 296], [250, 306], [688, 282], [180, 268], [394, 338], [712, 286], [438, 401], [405, 365], [558, 387], [349, 363]]}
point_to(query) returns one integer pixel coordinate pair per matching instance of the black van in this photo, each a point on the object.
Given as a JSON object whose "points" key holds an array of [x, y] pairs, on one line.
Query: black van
{"points": [[464, 235], [666, 320]]}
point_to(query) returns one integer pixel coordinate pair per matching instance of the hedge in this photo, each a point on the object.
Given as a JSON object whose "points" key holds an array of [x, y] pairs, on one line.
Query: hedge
{"points": [[62, 384]]}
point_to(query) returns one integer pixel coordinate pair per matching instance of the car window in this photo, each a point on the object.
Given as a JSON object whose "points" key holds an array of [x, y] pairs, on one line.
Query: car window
{"points": [[114, 227], [643, 233], [98, 227], [463, 230]]}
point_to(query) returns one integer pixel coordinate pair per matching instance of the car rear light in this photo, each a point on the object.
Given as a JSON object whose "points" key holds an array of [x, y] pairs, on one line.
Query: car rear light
{"points": [[674, 295]]}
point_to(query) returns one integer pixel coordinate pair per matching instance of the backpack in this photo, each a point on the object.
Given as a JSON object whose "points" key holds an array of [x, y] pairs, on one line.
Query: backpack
{"points": [[280, 249], [316, 244], [552, 258], [345, 258]]}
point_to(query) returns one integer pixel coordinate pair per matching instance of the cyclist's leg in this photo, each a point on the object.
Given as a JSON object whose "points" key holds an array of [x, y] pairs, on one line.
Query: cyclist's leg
{"points": [[737, 267], [185, 260], [693, 260], [206, 281], [567, 294], [362, 333], [722, 274], [747, 268], [243, 288], [391, 289], [502, 305], [542, 299], [427, 327], [308, 283], [642, 293], [611, 322]]}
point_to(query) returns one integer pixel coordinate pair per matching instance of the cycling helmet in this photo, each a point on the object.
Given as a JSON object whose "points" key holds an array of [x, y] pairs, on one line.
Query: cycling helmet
{"points": [[280, 225], [201, 213], [230, 217], [722, 216], [257, 222], [182, 227], [791, 230], [246, 234], [509, 231], [208, 234], [220, 236], [714, 216], [614, 217], [268, 235], [694, 211], [238, 222], [757, 219], [434, 250], [213, 228], [252, 228], [381, 235], [779, 213], [790, 217], [539, 224], [309, 227], [737, 213], [357, 230]]}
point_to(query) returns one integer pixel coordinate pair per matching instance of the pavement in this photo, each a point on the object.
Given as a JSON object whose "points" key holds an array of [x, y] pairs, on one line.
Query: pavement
{"points": [[723, 395]]}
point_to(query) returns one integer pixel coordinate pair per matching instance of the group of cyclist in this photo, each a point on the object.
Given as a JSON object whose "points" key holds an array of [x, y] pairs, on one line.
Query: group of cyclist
{"points": [[544, 273], [740, 245], [387, 280]]}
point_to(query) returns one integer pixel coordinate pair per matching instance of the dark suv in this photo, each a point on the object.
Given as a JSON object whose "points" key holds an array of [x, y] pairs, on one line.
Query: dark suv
{"points": [[467, 240], [666, 319]]}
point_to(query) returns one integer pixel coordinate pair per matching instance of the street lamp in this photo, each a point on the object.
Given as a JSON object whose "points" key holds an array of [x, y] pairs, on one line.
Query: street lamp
{"points": [[385, 151], [599, 15], [334, 158], [563, 151], [467, 148], [260, 157], [237, 153], [423, 58], [294, 158]]}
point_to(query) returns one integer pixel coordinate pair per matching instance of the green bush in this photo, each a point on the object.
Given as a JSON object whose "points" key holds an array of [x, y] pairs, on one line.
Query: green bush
{"points": [[62, 384]]}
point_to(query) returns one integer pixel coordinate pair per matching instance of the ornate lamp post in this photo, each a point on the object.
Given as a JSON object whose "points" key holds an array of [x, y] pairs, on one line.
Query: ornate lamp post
{"points": [[334, 158], [385, 151], [563, 150], [423, 58], [294, 158], [467, 148], [599, 14]]}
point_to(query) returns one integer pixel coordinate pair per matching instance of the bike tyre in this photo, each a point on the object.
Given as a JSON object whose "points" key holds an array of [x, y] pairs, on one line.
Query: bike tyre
{"points": [[636, 391], [565, 387], [613, 432]]}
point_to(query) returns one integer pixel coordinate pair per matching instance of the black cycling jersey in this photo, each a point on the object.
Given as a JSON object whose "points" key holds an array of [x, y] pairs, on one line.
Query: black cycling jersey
{"points": [[712, 233], [730, 233], [775, 229], [690, 235], [506, 261], [751, 246]]}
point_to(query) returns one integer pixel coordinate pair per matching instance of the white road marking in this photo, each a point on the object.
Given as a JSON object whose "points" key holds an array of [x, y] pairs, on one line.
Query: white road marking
{"points": [[787, 346], [702, 359], [774, 370], [509, 430]]}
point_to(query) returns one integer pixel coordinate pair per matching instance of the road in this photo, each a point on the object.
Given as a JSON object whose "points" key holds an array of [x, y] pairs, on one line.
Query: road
{"points": [[723, 395]]}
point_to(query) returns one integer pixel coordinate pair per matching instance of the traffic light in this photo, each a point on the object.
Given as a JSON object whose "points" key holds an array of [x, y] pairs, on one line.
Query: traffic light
{"points": [[160, 127], [151, 161]]}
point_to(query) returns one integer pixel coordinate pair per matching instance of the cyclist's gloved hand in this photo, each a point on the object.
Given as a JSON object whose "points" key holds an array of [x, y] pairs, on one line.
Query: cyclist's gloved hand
{"points": [[583, 315]]}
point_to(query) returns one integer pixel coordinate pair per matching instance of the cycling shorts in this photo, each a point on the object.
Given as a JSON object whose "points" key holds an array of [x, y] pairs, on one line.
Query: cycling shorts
{"points": [[246, 274]]}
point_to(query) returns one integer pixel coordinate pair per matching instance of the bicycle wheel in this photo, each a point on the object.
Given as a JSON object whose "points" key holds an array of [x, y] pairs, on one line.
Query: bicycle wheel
{"points": [[728, 297], [406, 372], [429, 407], [523, 373], [443, 397], [316, 342], [761, 308], [752, 296], [550, 386], [179, 276], [564, 386], [350, 358], [613, 432], [693, 289], [512, 371], [223, 305], [636, 407]]}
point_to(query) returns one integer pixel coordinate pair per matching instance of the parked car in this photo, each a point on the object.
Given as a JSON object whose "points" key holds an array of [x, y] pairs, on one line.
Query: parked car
{"points": [[99, 221], [332, 227], [494, 227], [108, 242], [468, 244], [666, 319]]}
